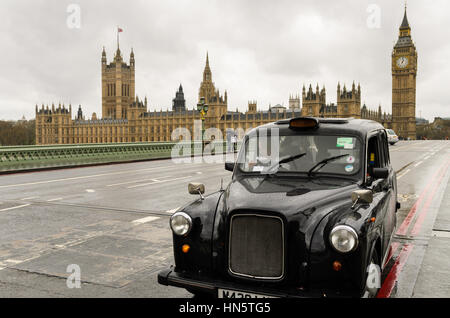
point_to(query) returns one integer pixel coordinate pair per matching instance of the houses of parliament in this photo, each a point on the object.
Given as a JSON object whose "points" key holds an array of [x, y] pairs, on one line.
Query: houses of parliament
{"points": [[126, 118]]}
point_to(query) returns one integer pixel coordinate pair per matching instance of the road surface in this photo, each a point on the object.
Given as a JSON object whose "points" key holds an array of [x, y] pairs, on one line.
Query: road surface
{"points": [[112, 222]]}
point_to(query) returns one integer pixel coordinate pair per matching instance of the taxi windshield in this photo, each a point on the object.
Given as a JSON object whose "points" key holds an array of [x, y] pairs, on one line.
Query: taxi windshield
{"points": [[309, 154]]}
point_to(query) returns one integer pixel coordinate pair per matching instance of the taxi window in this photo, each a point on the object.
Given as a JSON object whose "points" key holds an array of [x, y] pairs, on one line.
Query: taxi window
{"points": [[300, 153]]}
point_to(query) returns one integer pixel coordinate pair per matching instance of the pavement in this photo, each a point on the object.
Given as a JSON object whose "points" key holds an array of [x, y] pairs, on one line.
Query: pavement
{"points": [[111, 223]]}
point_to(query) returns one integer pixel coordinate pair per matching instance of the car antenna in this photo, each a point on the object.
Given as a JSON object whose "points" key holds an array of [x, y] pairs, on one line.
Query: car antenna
{"points": [[221, 184]]}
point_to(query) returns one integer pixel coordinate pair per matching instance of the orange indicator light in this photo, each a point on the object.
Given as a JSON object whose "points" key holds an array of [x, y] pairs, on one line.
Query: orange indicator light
{"points": [[185, 248], [337, 266]]}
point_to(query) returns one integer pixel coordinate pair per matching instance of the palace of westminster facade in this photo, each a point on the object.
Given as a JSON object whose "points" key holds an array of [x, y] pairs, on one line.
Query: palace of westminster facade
{"points": [[125, 118]]}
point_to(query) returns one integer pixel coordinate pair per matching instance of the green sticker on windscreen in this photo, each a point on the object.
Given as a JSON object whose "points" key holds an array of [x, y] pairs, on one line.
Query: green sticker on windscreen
{"points": [[345, 142]]}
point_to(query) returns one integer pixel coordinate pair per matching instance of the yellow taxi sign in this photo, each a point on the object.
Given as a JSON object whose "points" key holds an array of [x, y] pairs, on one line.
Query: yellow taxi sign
{"points": [[303, 123]]}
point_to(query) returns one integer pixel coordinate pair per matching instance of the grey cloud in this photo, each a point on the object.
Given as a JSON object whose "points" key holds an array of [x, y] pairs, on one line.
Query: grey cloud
{"points": [[261, 50]]}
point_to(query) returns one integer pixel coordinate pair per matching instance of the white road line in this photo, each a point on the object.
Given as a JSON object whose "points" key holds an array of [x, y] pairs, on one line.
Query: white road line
{"points": [[419, 163], [81, 177], [427, 157], [150, 183], [172, 211], [30, 198], [136, 181], [407, 170], [15, 207], [90, 190], [145, 220], [13, 261], [55, 199]]}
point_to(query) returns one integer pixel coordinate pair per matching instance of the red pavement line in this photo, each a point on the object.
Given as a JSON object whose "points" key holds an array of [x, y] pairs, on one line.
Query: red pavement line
{"points": [[389, 283], [423, 213], [406, 222], [392, 251]]}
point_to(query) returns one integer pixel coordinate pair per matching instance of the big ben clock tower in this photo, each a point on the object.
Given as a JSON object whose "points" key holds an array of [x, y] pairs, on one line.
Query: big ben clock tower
{"points": [[404, 71]]}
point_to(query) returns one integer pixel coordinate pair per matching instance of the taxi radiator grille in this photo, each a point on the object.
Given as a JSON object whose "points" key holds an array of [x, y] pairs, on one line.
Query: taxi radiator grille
{"points": [[256, 247]]}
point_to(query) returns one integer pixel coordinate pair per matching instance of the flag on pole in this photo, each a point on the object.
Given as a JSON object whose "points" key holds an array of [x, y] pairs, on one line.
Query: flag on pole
{"points": [[118, 31]]}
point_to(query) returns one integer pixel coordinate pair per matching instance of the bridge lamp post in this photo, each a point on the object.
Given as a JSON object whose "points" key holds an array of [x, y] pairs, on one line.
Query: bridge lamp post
{"points": [[202, 107]]}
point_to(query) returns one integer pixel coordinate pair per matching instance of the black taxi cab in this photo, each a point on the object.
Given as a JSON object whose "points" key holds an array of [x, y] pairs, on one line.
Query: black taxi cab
{"points": [[310, 212]]}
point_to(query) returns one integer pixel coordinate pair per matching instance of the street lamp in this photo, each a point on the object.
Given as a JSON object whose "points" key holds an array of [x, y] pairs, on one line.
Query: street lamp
{"points": [[203, 109]]}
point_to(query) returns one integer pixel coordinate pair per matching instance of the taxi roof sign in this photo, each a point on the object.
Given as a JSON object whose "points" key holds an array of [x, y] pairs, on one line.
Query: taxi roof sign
{"points": [[303, 123]]}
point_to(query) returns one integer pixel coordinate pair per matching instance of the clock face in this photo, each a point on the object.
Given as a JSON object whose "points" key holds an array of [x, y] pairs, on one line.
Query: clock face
{"points": [[402, 62]]}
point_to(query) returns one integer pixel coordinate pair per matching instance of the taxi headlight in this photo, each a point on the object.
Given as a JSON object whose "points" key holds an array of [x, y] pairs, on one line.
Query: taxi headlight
{"points": [[180, 223], [343, 238]]}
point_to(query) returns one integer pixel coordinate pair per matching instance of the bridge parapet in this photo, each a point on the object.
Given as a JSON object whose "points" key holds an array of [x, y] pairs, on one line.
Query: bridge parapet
{"points": [[18, 158]]}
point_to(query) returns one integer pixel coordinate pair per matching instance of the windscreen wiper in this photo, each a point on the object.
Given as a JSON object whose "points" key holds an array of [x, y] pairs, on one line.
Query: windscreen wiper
{"points": [[285, 160], [322, 163]]}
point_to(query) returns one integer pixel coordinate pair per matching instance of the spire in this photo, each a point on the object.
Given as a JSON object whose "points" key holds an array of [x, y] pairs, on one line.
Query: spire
{"points": [[207, 71], [405, 23], [132, 58], [103, 56]]}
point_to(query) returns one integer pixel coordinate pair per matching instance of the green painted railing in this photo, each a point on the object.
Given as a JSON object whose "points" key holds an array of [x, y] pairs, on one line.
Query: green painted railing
{"points": [[17, 158]]}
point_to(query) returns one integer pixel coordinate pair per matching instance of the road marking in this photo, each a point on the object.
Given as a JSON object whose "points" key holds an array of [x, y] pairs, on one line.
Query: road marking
{"points": [[30, 198], [135, 181], [407, 170], [90, 190], [150, 183], [419, 163], [55, 199], [172, 211], [15, 207], [145, 220], [14, 261], [406, 222], [80, 177], [389, 283]]}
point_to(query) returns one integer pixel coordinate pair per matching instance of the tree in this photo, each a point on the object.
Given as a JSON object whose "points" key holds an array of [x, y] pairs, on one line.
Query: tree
{"points": [[20, 132]]}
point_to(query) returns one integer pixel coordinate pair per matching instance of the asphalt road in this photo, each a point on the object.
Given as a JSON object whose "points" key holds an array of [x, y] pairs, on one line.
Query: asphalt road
{"points": [[112, 222]]}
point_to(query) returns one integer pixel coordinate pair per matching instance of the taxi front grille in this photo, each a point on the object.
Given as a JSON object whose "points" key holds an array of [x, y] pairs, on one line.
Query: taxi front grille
{"points": [[256, 246]]}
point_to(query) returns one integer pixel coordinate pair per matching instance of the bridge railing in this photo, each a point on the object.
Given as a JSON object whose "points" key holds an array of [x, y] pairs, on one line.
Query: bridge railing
{"points": [[17, 158]]}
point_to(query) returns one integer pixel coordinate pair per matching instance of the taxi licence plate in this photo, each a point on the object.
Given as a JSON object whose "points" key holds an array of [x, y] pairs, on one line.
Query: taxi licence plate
{"points": [[228, 293]]}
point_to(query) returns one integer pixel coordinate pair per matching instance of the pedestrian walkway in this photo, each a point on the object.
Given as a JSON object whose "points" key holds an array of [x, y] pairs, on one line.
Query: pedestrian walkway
{"points": [[434, 276]]}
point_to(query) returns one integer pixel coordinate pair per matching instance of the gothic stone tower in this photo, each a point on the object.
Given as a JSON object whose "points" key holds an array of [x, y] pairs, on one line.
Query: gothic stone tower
{"points": [[349, 102], [294, 102], [217, 103], [179, 103], [313, 102], [118, 85], [404, 71]]}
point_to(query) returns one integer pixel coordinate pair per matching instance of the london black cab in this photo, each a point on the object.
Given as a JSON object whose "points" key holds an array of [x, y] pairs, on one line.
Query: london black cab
{"points": [[310, 212]]}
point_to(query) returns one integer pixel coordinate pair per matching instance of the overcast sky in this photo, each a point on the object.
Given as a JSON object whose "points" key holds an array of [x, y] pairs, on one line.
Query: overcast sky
{"points": [[262, 50]]}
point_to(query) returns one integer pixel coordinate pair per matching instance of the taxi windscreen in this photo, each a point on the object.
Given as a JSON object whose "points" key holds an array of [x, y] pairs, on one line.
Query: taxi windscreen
{"points": [[313, 154]]}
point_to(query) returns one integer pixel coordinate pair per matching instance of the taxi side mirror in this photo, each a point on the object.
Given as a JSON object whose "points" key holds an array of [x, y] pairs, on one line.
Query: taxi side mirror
{"points": [[380, 173], [196, 188], [362, 196], [229, 166]]}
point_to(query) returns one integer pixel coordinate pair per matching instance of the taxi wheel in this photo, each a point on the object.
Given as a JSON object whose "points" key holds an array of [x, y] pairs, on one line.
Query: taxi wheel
{"points": [[373, 280]]}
